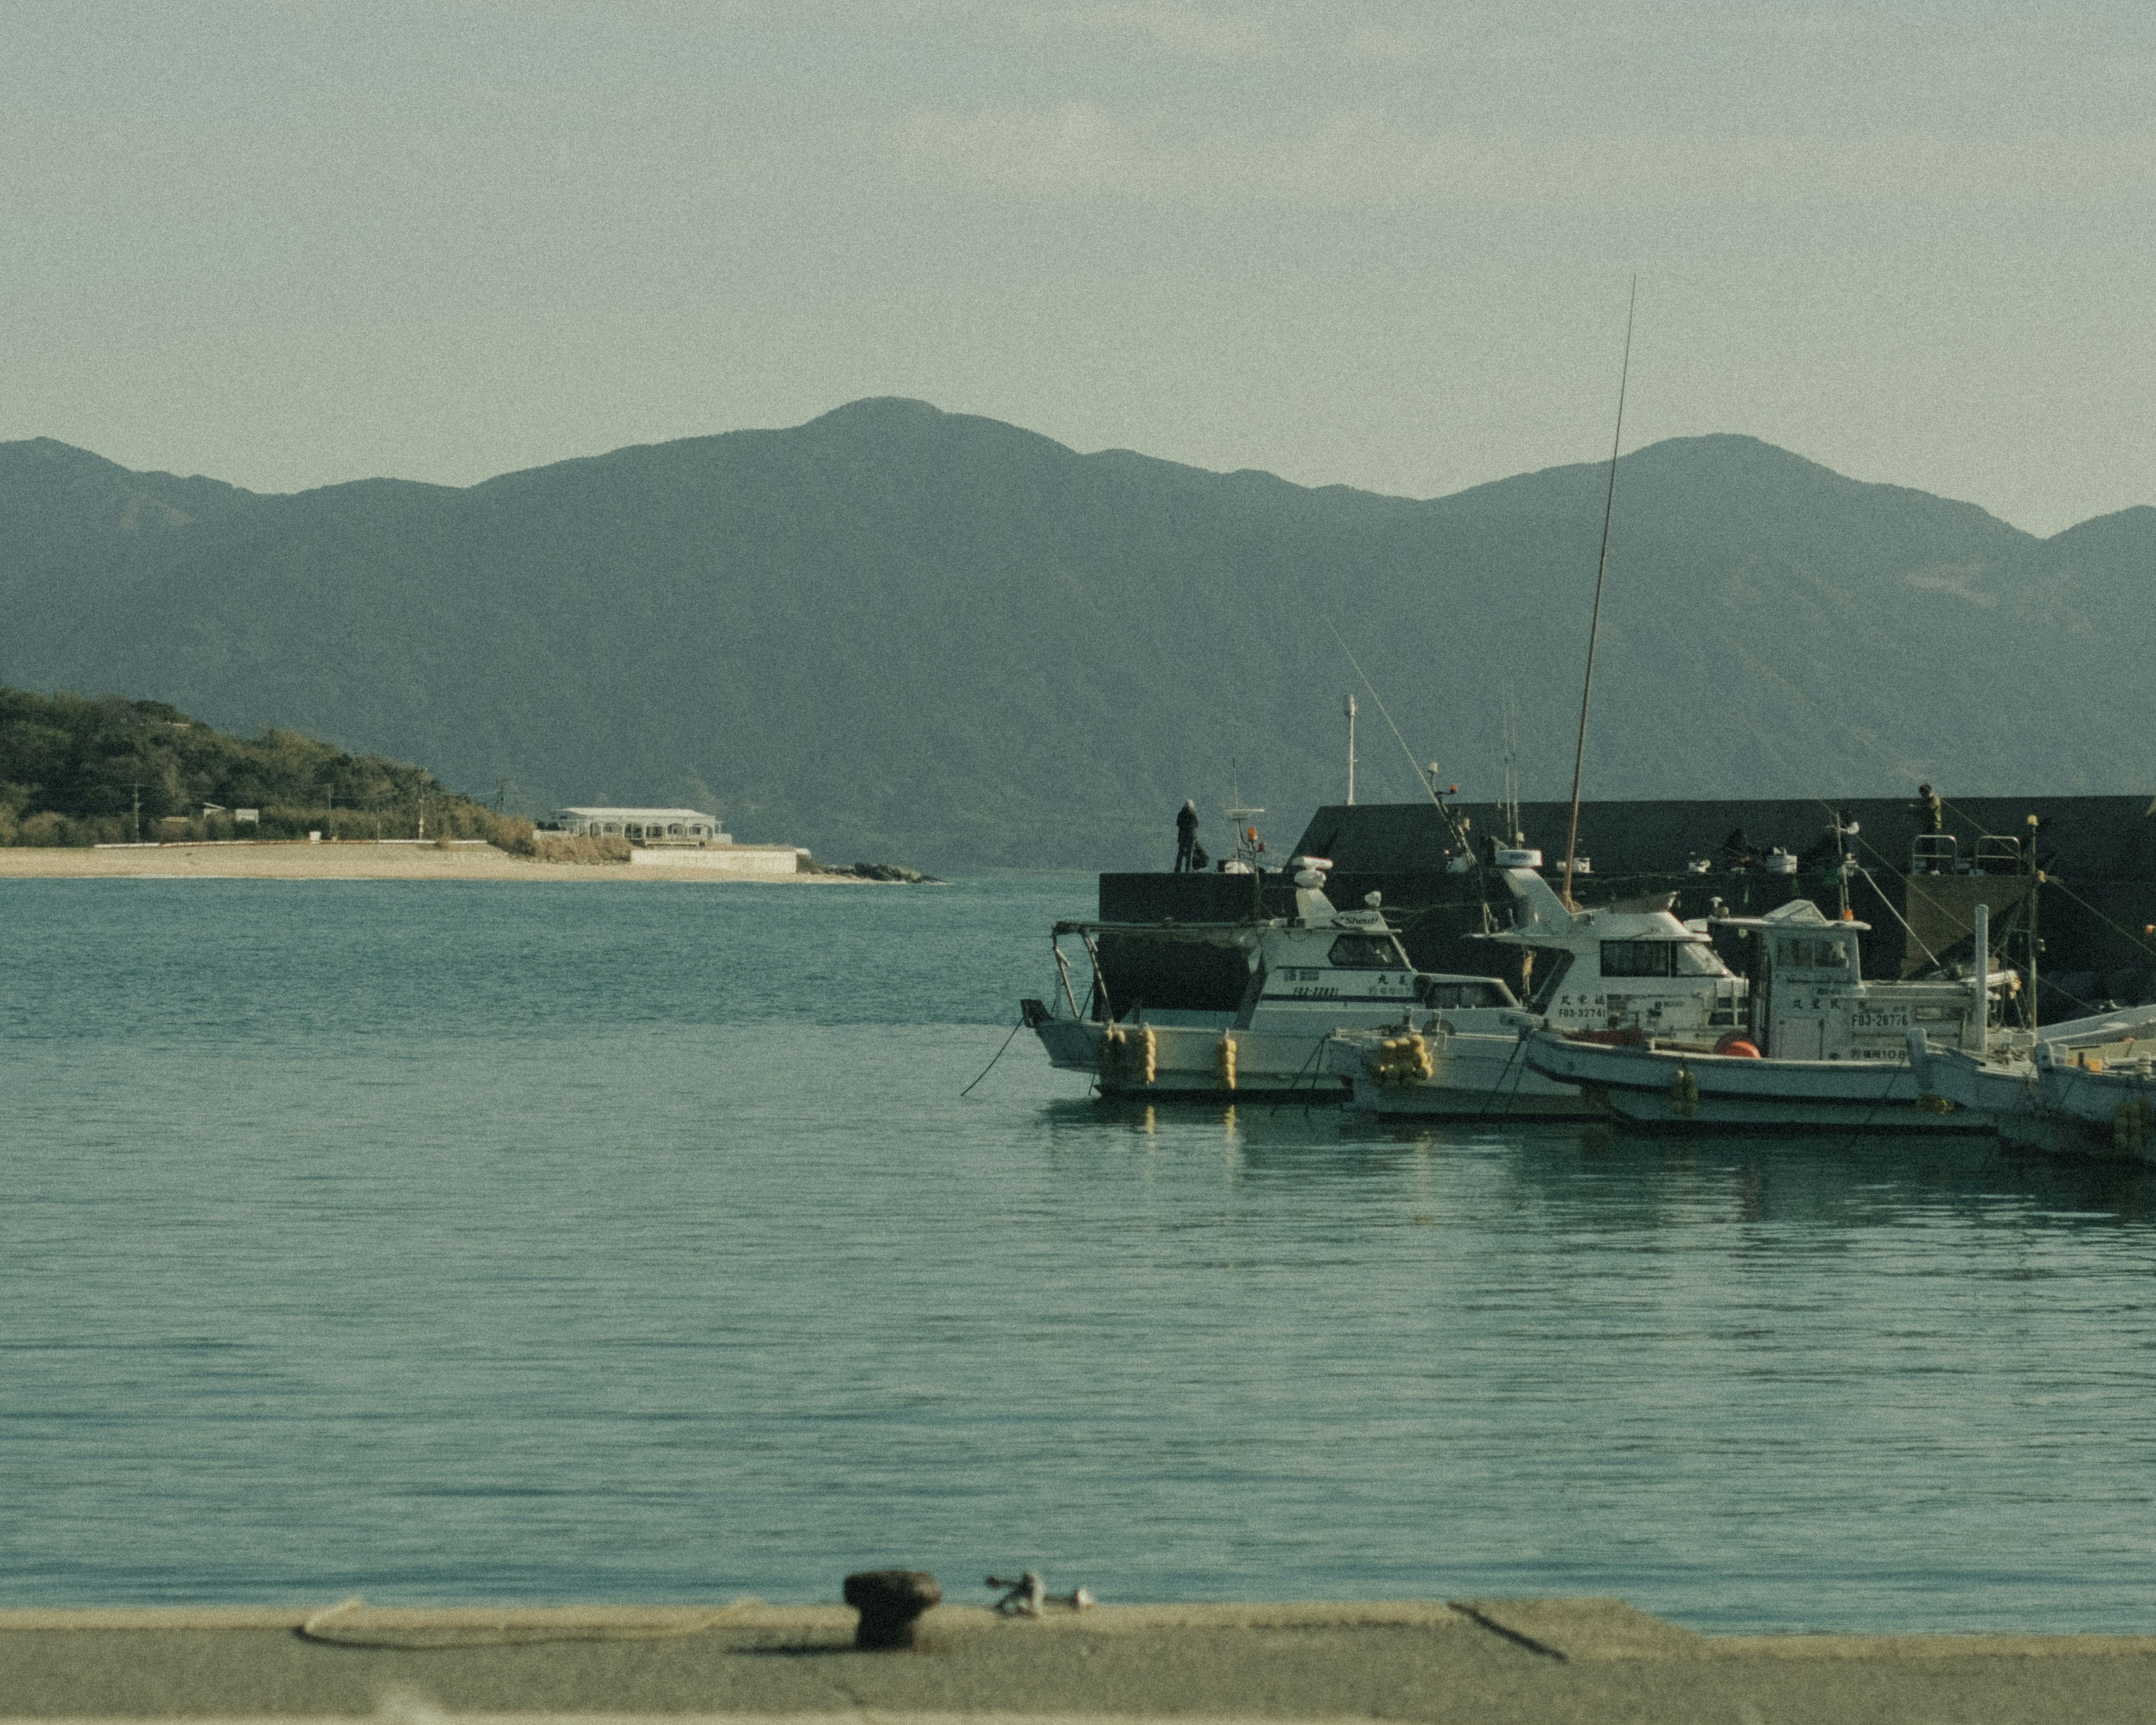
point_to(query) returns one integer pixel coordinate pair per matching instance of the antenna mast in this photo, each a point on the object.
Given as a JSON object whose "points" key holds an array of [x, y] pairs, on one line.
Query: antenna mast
{"points": [[1594, 622], [1513, 836], [1350, 711]]}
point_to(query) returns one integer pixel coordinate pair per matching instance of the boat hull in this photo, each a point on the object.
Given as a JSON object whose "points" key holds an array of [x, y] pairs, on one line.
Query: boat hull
{"points": [[2078, 1112], [1472, 1077], [2058, 1110], [1186, 1062], [1675, 1090]]}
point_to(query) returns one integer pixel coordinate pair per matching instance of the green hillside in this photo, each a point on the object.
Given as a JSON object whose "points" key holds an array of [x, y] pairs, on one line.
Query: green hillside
{"points": [[77, 772], [895, 631]]}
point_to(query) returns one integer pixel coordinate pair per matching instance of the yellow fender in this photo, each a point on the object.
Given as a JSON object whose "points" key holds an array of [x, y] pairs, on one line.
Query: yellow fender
{"points": [[1224, 1060], [1401, 1059], [1684, 1093]]}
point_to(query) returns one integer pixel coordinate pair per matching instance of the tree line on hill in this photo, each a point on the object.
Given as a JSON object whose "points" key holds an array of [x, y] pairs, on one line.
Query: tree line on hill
{"points": [[77, 771]]}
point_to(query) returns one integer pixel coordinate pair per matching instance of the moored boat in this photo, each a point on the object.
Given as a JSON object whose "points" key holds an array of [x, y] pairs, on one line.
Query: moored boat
{"points": [[1611, 973], [1272, 991], [1828, 1049], [2084, 1088]]}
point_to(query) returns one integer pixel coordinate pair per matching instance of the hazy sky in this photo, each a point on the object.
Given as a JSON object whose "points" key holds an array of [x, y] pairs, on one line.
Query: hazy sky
{"points": [[1382, 244]]}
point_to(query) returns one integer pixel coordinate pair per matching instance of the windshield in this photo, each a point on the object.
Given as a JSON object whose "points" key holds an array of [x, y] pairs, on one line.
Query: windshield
{"points": [[1546, 987], [1367, 951], [1700, 961]]}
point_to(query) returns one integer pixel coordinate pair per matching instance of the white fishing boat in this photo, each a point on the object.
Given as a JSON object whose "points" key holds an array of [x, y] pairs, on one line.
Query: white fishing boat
{"points": [[1282, 987], [2095, 1095], [2080, 1088], [1617, 974], [1826, 1049]]}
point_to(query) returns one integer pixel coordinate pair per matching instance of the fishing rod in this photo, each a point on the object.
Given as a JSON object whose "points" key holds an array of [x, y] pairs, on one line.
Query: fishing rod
{"points": [[1594, 622]]}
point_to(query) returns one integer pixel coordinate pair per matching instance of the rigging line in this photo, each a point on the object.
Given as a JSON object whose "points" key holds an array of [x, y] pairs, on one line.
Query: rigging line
{"points": [[1761, 736], [1601, 564], [1413, 763], [2052, 880], [1912, 887]]}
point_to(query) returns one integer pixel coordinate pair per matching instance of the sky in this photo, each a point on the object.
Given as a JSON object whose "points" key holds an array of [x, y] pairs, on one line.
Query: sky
{"points": [[1382, 245]]}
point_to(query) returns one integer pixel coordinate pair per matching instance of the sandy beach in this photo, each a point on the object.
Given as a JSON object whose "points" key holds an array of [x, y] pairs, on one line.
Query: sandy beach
{"points": [[352, 861]]}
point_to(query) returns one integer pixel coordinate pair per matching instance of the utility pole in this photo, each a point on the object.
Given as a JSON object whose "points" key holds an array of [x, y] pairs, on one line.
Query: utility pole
{"points": [[1351, 751], [138, 811]]}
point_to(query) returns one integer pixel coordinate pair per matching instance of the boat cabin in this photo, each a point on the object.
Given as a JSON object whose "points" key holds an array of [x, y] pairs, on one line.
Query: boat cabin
{"points": [[1612, 969], [1809, 1000], [1324, 964]]}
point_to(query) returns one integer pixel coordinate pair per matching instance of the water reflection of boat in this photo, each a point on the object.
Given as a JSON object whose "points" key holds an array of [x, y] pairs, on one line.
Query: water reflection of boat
{"points": [[1248, 1005], [1617, 972], [1829, 1050]]}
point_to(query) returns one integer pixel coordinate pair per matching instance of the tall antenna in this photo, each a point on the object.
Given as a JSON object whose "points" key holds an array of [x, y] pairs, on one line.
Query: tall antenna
{"points": [[1513, 836], [1350, 711], [1594, 622]]}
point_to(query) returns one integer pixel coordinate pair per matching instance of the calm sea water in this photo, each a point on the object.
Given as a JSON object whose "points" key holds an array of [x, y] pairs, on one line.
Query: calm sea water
{"points": [[632, 1242]]}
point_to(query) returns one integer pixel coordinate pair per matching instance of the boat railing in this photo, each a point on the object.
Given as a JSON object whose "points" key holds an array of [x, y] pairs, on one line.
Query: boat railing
{"points": [[1933, 854], [1998, 853]]}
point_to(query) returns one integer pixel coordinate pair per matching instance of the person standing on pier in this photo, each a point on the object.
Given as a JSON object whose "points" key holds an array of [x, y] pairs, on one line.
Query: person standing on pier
{"points": [[1186, 836]]}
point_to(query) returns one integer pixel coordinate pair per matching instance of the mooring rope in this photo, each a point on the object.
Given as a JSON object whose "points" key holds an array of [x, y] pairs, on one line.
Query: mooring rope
{"points": [[991, 1065], [324, 1627]]}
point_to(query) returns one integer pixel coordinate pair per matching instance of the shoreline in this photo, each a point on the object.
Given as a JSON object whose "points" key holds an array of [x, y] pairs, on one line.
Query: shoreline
{"points": [[352, 859], [1488, 1661]]}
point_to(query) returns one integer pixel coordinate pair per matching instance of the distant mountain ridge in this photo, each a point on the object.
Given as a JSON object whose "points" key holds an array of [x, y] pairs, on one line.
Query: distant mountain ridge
{"points": [[895, 632]]}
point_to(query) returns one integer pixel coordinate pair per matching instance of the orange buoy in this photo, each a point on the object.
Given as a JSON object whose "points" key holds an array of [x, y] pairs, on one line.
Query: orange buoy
{"points": [[1742, 1047]]}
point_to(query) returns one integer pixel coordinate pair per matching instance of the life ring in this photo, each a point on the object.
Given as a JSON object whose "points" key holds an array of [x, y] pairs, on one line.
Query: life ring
{"points": [[1740, 1045]]}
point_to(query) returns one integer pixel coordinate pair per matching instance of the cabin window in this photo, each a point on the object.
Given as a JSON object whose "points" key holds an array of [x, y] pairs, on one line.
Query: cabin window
{"points": [[1367, 951], [675, 830], [1449, 995], [1832, 953], [613, 826], [1546, 990], [1639, 957]]}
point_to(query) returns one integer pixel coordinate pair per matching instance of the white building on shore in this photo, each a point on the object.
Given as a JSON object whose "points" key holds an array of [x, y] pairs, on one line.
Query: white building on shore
{"points": [[679, 839], [640, 826]]}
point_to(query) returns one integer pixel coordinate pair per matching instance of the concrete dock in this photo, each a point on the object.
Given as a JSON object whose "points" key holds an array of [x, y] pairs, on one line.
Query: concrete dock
{"points": [[1476, 1662]]}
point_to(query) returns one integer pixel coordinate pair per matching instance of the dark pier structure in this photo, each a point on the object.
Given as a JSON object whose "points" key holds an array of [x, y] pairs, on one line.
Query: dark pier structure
{"points": [[2084, 867]]}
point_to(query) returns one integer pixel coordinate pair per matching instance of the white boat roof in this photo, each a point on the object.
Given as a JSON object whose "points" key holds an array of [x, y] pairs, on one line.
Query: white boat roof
{"points": [[1798, 913], [1543, 920]]}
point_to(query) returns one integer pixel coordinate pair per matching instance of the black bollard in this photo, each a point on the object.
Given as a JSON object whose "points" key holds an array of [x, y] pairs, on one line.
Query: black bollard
{"points": [[891, 1601]]}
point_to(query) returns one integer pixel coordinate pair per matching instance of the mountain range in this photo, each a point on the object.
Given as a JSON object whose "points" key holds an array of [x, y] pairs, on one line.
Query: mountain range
{"points": [[898, 633]]}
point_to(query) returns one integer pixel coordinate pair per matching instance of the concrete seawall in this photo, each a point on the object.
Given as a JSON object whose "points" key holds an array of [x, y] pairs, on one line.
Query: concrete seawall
{"points": [[1486, 1661]]}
